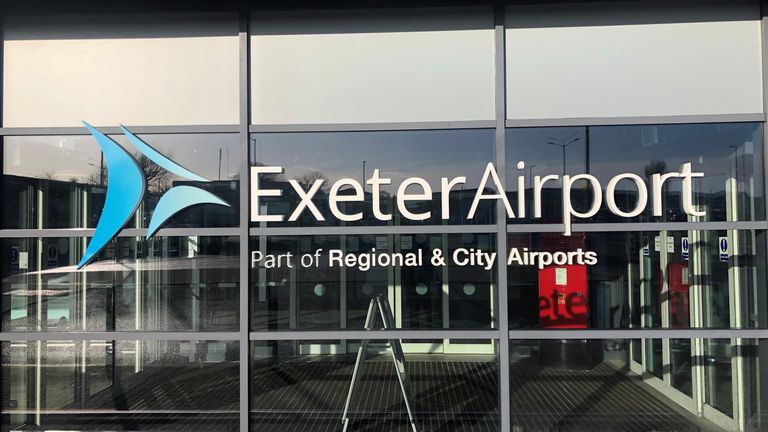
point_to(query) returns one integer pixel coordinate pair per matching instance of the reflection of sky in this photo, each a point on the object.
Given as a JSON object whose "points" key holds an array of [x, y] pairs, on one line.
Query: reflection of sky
{"points": [[77, 158], [397, 154], [710, 148]]}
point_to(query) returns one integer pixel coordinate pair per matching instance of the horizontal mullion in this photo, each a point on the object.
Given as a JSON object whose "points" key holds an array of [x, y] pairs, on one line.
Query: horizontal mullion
{"points": [[644, 333], [373, 334], [364, 127], [638, 120], [118, 336], [640, 226], [128, 232], [386, 229], [180, 129]]}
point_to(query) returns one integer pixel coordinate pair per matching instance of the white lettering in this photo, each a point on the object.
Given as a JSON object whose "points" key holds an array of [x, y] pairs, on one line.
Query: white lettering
{"points": [[403, 196], [642, 195], [568, 211], [306, 199], [490, 171], [334, 199], [256, 192]]}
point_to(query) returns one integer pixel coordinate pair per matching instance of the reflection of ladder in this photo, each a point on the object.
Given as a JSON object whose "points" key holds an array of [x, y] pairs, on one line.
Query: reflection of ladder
{"points": [[385, 311]]}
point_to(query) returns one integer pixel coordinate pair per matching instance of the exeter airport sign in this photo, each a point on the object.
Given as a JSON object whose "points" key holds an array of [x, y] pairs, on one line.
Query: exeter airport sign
{"points": [[490, 188]]}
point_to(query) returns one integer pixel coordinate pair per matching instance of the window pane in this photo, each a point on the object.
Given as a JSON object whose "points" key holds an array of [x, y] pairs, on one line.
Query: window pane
{"points": [[430, 155], [72, 194], [120, 385], [579, 384], [638, 279], [163, 284], [130, 69], [304, 385], [632, 59], [729, 155], [360, 67], [342, 276]]}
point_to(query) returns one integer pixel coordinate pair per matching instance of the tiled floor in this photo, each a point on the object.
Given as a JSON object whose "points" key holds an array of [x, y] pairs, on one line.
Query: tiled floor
{"points": [[307, 393], [601, 399]]}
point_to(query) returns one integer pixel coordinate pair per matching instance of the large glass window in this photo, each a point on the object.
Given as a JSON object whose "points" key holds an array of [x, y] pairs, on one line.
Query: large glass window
{"points": [[162, 284], [120, 385], [728, 156], [598, 384], [374, 197], [385, 158], [391, 65], [61, 181], [133, 69], [304, 385], [670, 279], [349, 272], [639, 58]]}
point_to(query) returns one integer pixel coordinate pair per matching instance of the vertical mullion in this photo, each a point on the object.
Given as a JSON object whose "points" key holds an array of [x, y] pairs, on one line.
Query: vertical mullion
{"points": [[5, 389], [763, 347], [501, 218], [244, 206]]}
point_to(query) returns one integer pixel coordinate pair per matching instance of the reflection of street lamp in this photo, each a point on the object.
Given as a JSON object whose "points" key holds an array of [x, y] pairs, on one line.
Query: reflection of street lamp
{"points": [[735, 160], [551, 141], [363, 175], [101, 169], [530, 175], [219, 163]]}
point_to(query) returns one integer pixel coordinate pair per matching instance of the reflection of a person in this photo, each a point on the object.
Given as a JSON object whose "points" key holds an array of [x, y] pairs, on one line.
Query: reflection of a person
{"points": [[201, 353], [63, 324]]}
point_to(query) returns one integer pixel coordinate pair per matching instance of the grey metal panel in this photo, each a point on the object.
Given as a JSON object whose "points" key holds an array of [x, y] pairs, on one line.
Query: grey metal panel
{"points": [[640, 226], [119, 336], [373, 334], [761, 293], [640, 334], [360, 230], [347, 127], [414, 229], [615, 121], [128, 232], [597, 13], [244, 104], [501, 217], [111, 129]]}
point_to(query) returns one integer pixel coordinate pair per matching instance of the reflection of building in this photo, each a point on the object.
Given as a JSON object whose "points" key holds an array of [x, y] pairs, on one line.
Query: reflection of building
{"points": [[460, 203], [665, 332], [64, 204]]}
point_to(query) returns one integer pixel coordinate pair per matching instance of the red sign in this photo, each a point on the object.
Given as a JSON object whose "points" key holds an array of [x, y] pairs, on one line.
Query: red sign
{"points": [[563, 299], [679, 303]]}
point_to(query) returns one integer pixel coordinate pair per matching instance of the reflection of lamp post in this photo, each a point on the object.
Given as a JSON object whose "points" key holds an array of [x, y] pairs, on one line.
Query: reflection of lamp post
{"points": [[530, 175], [560, 144], [101, 169], [363, 175], [219, 163], [735, 161]]}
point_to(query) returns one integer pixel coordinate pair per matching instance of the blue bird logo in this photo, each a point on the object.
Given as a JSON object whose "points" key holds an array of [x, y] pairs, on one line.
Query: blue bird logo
{"points": [[126, 185]]}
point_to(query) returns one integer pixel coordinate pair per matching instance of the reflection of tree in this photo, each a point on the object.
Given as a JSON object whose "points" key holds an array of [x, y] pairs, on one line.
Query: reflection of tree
{"points": [[307, 180], [99, 177], [158, 179]]}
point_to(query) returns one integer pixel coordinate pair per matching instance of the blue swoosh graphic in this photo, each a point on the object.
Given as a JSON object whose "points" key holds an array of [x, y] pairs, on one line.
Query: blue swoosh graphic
{"points": [[158, 158], [125, 190], [177, 199]]}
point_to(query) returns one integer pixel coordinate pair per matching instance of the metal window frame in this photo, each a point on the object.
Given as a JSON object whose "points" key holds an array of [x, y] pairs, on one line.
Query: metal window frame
{"points": [[502, 334]]}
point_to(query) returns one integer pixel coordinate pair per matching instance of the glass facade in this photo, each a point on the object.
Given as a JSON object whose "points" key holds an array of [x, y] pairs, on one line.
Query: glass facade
{"points": [[433, 219]]}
